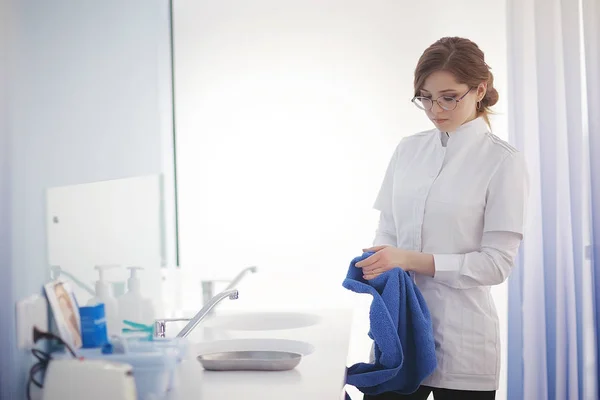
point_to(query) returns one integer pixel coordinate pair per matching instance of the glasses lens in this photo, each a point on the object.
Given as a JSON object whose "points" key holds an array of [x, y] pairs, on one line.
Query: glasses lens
{"points": [[447, 103], [423, 103]]}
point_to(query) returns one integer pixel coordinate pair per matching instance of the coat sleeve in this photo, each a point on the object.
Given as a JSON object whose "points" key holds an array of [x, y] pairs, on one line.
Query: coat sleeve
{"points": [[504, 224]]}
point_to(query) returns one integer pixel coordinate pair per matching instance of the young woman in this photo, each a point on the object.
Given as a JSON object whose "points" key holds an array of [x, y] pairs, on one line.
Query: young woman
{"points": [[452, 207]]}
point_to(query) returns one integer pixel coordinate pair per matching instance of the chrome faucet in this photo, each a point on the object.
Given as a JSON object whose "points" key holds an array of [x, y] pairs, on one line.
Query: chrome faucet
{"points": [[208, 287], [160, 325], [209, 302]]}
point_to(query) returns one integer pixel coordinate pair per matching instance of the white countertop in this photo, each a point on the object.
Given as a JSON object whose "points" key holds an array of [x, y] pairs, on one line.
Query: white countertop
{"points": [[320, 375]]}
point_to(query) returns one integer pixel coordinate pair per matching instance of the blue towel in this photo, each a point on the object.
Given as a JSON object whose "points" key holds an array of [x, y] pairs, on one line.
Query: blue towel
{"points": [[401, 329]]}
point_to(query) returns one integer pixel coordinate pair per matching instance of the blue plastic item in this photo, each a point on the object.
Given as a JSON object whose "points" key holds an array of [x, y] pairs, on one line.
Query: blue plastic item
{"points": [[93, 326], [113, 348], [179, 345], [153, 371], [107, 348], [154, 362]]}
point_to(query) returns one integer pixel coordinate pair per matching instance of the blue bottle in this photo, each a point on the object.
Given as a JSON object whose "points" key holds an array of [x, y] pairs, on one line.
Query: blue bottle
{"points": [[93, 326]]}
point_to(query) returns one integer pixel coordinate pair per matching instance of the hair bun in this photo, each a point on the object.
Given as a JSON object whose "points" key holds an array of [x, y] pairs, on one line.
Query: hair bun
{"points": [[490, 98], [491, 94]]}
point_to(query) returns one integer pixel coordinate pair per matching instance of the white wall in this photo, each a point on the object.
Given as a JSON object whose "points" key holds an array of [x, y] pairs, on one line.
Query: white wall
{"points": [[90, 101], [287, 114]]}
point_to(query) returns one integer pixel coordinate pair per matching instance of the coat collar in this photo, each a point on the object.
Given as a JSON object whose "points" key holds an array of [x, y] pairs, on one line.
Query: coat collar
{"points": [[477, 125], [465, 132]]}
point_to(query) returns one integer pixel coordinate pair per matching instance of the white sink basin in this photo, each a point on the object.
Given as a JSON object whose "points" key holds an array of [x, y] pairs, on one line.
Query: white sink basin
{"points": [[261, 344], [261, 321]]}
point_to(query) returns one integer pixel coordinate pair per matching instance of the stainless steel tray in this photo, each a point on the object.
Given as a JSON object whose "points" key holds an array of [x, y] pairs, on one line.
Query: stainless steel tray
{"points": [[250, 361]]}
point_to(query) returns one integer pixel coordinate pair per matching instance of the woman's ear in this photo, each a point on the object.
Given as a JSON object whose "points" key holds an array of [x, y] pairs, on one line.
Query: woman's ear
{"points": [[481, 90]]}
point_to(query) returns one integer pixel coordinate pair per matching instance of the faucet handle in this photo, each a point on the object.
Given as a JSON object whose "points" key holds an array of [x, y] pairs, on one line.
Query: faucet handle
{"points": [[209, 284], [160, 325], [236, 279], [208, 288]]}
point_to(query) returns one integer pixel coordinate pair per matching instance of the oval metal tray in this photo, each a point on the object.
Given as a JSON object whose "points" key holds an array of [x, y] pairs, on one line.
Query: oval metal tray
{"points": [[250, 361]]}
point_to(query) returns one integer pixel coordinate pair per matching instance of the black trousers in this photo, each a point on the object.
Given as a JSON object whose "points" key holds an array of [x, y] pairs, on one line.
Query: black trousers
{"points": [[438, 394]]}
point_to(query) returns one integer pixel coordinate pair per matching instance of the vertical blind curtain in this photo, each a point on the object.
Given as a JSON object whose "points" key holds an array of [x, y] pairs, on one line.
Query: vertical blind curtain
{"points": [[554, 292]]}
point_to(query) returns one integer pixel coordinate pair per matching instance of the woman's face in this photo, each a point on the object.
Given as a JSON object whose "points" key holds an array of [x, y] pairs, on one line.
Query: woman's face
{"points": [[443, 83], [69, 313]]}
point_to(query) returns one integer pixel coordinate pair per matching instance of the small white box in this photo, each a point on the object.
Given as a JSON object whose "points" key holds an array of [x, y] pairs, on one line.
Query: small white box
{"points": [[32, 311]]}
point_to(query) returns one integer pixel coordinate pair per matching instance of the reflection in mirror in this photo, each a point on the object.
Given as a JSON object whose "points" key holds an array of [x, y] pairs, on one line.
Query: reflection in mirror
{"points": [[111, 223]]}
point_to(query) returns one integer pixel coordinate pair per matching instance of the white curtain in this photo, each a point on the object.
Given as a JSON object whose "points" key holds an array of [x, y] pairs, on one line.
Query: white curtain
{"points": [[554, 86]]}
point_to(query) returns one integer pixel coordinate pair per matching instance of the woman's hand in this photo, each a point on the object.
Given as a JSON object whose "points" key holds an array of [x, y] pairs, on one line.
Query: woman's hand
{"points": [[384, 259], [388, 257]]}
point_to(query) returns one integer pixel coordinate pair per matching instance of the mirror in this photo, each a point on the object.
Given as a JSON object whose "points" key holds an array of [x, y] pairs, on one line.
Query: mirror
{"points": [[118, 222]]}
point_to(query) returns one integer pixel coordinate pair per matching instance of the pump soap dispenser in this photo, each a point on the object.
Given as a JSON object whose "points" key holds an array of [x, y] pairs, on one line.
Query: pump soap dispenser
{"points": [[133, 306], [104, 295]]}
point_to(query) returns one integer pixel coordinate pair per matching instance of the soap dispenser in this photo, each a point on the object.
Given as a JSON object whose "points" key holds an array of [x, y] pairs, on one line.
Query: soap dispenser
{"points": [[133, 307], [104, 295]]}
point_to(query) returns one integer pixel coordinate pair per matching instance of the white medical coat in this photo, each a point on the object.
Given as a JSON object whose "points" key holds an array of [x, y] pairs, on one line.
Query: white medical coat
{"points": [[465, 204]]}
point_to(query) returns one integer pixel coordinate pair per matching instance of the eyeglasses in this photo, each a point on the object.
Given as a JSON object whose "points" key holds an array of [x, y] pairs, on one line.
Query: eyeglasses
{"points": [[447, 103]]}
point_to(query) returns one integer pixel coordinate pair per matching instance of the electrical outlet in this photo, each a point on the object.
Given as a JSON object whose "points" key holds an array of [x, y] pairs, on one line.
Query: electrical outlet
{"points": [[32, 311]]}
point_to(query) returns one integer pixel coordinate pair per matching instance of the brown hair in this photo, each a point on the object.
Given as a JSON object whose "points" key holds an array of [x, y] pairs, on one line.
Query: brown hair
{"points": [[465, 60]]}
